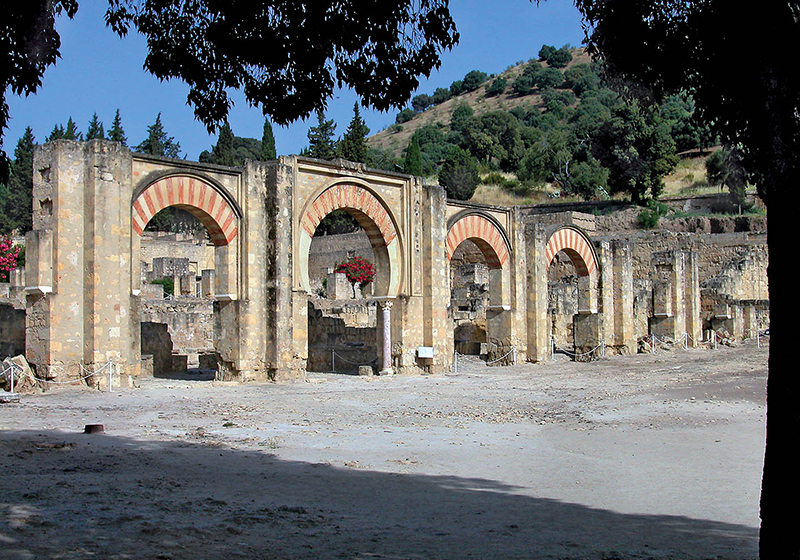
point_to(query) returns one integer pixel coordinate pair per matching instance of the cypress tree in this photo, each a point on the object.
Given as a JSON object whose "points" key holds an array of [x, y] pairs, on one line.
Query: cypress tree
{"points": [[320, 138], [268, 151], [353, 146], [95, 130], [158, 143], [117, 134], [16, 197], [71, 132], [413, 161], [224, 152]]}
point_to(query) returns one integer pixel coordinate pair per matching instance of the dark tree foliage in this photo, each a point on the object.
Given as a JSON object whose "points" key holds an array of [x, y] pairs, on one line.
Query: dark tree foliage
{"points": [[497, 87], [16, 196], [158, 142], [116, 132], [636, 148], [268, 151], [224, 151], [321, 144], [473, 80], [404, 116], [95, 130], [440, 95], [558, 58], [29, 44], [581, 78], [69, 132], [243, 149], [421, 102], [459, 174], [413, 162], [672, 46], [288, 57], [725, 168], [353, 145]]}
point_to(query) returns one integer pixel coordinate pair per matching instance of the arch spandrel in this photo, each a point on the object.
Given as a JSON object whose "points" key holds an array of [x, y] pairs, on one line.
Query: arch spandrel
{"points": [[576, 245], [194, 195], [485, 233]]}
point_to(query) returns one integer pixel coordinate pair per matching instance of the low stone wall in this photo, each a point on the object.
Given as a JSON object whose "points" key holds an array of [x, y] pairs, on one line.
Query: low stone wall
{"points": [[348, 328]]}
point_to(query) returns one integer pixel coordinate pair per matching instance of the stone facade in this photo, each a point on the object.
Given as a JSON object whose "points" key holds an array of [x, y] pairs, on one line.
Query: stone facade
{"points": [[86, 281]]}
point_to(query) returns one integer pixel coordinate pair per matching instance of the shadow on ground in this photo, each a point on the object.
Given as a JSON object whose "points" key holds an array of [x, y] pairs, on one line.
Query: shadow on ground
{"points": [[101, 496]]}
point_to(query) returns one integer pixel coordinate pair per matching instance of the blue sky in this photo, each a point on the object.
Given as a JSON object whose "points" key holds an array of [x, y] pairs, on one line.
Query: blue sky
{"points": [[99, 72]]}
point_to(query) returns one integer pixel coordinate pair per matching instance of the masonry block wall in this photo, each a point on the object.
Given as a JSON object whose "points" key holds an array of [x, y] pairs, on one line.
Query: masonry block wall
{"points": [[93, 200]]}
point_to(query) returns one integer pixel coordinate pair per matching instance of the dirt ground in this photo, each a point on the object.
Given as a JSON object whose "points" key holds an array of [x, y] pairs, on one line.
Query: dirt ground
{"points": [[638, 457]]}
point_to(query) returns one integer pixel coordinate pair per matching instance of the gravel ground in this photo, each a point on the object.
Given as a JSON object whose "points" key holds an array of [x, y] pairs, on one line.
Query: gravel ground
{"points": [[637, 457]]}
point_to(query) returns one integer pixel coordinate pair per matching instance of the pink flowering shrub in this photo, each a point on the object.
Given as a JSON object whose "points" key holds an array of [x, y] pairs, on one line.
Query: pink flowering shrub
{"points": [[8, 256], [357, 270]]}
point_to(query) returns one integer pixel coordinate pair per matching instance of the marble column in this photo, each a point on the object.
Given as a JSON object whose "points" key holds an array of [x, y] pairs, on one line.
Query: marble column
{"points": [[386, 312]]}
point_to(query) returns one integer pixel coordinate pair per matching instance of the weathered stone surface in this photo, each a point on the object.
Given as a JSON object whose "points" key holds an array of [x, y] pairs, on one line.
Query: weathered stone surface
{"points": [[534, 272]]}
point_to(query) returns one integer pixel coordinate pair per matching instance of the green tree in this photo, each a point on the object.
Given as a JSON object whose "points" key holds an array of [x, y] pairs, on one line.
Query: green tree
{"points": [[16, 197], [320, 138], [413, 162], [353, 145], [216, 47], [116, 133], [71, 131], [158, 142], [224, 151], [95, 130], [559, 58], [440, 95], [725, 168], [637, 149], [404, 116], [268, 151], [421, 102], [459, 174], [473, 80], [497, 87], [56, 134], [672, 46]]}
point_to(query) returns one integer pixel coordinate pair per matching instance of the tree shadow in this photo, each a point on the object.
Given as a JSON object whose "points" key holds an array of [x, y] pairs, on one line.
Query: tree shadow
{"points": [[72, 495]]}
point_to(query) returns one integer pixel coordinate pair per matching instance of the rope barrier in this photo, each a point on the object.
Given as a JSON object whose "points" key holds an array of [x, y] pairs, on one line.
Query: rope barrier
{"points": [[342, 358], [602, 346], [471, 359], [108, 365]]}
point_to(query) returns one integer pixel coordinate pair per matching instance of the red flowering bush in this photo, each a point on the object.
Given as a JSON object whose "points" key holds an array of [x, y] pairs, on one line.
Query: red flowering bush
{"points": [[8, 256], [357, 270]]}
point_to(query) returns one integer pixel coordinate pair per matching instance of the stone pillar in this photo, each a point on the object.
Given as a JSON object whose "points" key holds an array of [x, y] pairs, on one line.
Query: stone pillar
{"points": [[624, 339], [538, 328], [606, 264], [437, 328], [694, 323], [518, 285], [80, 308], [386, 322]]}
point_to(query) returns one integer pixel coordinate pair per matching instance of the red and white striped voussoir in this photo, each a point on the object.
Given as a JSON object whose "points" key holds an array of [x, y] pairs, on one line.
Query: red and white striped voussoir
{"points": [[215, 212], [357, 198], [568, 239], [485, 233]]}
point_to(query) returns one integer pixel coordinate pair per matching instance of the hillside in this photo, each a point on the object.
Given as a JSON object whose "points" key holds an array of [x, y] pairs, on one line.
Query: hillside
{"points": [[554, 140], [396, 138]]}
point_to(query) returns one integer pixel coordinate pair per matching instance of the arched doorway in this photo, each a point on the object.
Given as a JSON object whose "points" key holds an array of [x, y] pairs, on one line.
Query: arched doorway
{"points": [[478, 250], [357, 326], [196, 270], [572, 292]]}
